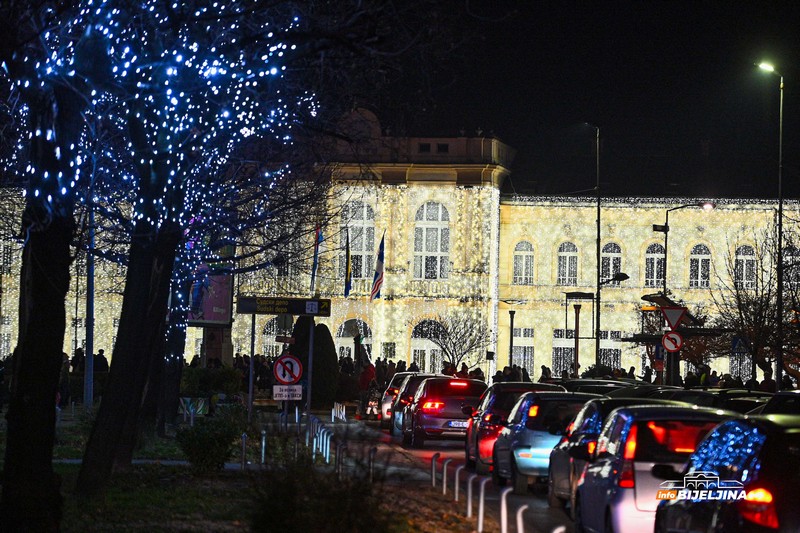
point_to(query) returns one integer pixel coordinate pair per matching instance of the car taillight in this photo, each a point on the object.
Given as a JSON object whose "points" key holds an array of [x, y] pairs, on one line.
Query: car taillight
{"points": [[533, 412], [626, 479], [432, 406], [591, 446], [458, 383], [758, 507], [393, 392]]}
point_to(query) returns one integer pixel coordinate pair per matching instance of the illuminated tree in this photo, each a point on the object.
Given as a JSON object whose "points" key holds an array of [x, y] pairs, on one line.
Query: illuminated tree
{"points": [[458, 335]]}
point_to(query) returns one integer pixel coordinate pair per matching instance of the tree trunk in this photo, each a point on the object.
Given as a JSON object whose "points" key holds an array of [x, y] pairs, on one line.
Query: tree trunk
{"points": [[140, 332], [31, 498], [174, 360]]}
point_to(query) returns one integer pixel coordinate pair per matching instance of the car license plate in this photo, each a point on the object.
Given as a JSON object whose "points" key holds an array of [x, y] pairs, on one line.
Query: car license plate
{"points": [[457, 423]]}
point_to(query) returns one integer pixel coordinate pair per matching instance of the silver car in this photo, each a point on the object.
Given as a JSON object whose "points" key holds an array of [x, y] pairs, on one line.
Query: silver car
{"points": [[617, 490], [388, 397]]}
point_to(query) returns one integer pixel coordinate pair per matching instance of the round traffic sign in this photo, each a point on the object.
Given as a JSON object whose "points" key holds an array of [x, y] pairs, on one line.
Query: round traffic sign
{"points": [[672, 341], [287, 369]]}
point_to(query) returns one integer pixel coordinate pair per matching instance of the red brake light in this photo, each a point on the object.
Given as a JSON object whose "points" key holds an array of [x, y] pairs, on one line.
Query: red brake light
{"points": [[432, 407], [590, 446], [533, 412], [458, 383], [487, 417], [626, 479], [758, 507]]}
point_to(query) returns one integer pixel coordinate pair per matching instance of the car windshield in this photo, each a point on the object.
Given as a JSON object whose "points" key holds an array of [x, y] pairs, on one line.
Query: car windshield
{"points": [[668, 441], [546, 415], [454, 387]]}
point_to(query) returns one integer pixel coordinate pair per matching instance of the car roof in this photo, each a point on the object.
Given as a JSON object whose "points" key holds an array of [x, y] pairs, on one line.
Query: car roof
{"points": [[561, 395], [609, 404], [781, 423], [527, 385], [658, 412]]}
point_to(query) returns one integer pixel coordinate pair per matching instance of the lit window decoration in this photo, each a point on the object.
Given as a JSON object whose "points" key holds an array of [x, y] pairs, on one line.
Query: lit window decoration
{"points": [[744, 270], [610, 263], [791, 266], [567, 264], [523, 263], [358, 219], [654, 264], [700, 267], [432, 242]]}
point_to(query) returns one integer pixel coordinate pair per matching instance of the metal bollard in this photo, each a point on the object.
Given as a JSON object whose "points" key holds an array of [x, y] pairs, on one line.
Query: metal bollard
{"points": [[263, 446], [481, 503], [244, 449], [504, 509], [296, 445], [326, 451], [470, 479], [433, 468], [520, 523], [444, 474], [458, 471], [372, 453]]}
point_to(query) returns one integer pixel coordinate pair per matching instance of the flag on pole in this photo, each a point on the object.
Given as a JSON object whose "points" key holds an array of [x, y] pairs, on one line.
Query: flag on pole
{"points": [[317, 241], [377, 281], [348, 266]]}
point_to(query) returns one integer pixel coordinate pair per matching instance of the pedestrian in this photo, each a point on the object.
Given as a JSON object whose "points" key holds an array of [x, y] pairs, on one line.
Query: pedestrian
{"points": [[78, 360], [100, 361], [366, 380], [768, 384]]}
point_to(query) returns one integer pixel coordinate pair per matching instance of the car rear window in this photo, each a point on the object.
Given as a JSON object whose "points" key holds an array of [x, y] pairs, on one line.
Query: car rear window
{"points": [[455, 387], [506, 398], [669, 441], [544, 415]]}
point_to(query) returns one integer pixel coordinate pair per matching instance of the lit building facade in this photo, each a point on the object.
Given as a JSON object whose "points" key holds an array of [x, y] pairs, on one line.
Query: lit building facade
{"points": [[455, 245]]}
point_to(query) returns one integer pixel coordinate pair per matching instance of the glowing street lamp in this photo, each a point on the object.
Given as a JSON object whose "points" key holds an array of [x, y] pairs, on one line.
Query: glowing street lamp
{"points": [[779, 308]]}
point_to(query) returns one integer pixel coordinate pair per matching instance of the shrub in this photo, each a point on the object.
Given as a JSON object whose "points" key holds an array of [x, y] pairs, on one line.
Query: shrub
{"points": [[211, 441], [203, 382]]}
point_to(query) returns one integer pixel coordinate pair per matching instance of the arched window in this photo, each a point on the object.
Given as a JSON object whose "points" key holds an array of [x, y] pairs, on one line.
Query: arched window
{"points": [[432, 242], [744, 271], [611, 262], [567, 264], [358, 219], [424, 352], [351, 334], [654, 266], [700, 267], [523, 263]]}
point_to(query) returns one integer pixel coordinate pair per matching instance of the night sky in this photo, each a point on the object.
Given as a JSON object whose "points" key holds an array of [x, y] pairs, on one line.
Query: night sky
{"points": [[681, 107]]}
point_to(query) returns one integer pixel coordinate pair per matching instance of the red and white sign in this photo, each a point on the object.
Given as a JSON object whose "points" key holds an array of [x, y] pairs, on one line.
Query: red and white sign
{"points": [[672, 341], [287, 369], [673, 315]]}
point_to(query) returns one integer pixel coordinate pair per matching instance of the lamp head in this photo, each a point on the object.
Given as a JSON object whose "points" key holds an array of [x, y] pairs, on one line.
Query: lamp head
{"points": [[707, 206], [766, 66], [620, 276]]}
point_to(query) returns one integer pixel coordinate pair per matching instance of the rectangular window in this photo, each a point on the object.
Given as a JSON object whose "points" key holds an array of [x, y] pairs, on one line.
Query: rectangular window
{"points": [[424, 148], [654, 272], [442, 148]]}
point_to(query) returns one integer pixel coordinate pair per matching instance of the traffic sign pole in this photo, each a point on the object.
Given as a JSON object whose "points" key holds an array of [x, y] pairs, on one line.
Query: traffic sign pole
{"points": [[310, 365], [250, 377]]}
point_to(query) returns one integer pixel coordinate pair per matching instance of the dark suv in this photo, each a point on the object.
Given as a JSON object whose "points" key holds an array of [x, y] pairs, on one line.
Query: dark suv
{"points": [[405, 395], [437, 410]]}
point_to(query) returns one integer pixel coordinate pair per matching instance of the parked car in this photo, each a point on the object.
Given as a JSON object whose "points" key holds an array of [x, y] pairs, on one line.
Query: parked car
{"points": [[595, 386], [739, 400], [486, 420], [405, 395], [522, 449], [785, 402], [639, 391], [437, 409], [617, 490], [562, 478], [759, 456], [388, 397]]}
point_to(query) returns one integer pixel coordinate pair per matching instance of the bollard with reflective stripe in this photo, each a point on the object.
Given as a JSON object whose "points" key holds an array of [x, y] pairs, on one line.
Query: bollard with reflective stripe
{"points": [[520, 523], [433, 468], [503, 509], [263, 446], [244, 449], [481, 503], [470, 479], [458, 471], [444, 474]]}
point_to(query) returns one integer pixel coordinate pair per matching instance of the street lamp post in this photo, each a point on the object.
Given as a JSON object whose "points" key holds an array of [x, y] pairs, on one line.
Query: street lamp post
{"points": [[779, 269], [511, 313], [706, 206], [597, 295]]}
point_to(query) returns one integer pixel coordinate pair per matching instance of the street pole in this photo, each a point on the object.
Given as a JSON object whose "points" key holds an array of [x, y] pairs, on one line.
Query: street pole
{"points": [[577, 336], [511, 313], [599, 257], [779, 362]]}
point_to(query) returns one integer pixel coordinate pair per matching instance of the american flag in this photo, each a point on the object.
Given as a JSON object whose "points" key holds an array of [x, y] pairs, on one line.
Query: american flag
{"points": [[377, 281]]}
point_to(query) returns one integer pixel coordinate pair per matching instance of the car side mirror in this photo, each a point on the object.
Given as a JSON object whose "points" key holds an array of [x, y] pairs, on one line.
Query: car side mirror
{"points": [[666, 472], [468, 410]]}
